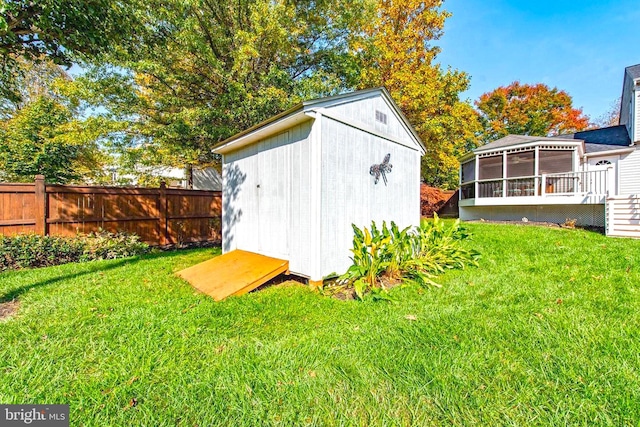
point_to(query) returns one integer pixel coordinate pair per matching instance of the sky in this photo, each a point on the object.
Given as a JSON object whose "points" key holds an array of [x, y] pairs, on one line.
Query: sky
{"points": [[581, 47]]}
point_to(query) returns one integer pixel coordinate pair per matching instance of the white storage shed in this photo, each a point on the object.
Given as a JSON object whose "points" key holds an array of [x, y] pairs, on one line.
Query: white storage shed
{"points": [[294, 184]]}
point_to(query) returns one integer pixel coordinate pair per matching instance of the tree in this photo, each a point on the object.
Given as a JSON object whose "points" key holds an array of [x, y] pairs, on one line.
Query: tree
{"points": [[43, 138], [397, 53], [30, 144], [62, 31], [213, 68], [524, 109], [32, 80], [611, 117]]}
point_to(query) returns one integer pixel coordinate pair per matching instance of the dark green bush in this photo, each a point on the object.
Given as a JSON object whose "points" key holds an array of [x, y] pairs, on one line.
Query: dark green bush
{"points": [[32, 250]]}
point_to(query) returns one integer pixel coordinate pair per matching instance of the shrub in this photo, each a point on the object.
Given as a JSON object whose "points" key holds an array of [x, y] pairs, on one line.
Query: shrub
{"points": [[383, 257], [32, 250], [105, 245]]}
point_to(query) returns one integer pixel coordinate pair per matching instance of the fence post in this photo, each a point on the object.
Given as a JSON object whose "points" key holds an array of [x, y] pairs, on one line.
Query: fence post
{"points": [[162, 210], [41, 206]]}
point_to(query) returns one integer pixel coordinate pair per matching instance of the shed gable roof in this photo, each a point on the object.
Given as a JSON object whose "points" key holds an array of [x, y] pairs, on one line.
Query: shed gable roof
{"points": [[299, 113]]}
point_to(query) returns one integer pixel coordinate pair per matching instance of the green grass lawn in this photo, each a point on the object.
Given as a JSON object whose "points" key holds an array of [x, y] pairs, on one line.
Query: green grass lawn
{"points": [[545, 332]]}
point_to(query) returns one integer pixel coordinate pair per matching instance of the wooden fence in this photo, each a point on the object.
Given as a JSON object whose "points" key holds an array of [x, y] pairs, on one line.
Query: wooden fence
{"points": [[160, 216]]}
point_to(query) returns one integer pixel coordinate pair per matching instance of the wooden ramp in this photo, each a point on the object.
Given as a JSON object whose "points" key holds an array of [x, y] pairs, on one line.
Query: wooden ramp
{"points": [[234, 273]]}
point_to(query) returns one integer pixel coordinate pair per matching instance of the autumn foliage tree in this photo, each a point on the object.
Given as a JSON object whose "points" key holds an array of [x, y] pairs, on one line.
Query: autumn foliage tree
{"points": [[399, 54], [524, 109], [194, 72]]}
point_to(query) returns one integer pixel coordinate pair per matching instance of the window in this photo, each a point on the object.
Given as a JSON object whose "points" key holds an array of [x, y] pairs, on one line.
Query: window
{"points": [[490, 167], [521, 164], [469, 171], [603, 163], [556, 161], [381, 117]]}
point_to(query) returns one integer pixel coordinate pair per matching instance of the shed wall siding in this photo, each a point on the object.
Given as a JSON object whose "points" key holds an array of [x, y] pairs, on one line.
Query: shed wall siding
{"points": [[364, 112], [349, 195], [629, 173], [266, 204]]}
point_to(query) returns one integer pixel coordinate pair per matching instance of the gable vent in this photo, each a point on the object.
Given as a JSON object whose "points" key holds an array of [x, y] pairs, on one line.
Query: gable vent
{"points": [[381, 117]]}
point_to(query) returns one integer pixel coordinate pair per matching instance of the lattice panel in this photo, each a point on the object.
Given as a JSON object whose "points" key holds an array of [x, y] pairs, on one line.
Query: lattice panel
{"points": [[586, 215]]}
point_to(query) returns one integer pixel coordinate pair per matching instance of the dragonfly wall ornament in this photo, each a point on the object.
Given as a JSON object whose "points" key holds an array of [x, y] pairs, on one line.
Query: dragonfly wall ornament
{"points": [[381, 169]]}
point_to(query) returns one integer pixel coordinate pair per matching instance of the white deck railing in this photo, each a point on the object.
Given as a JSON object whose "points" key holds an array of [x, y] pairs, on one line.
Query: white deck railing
{"points": [[581, 183], [593, 183]]}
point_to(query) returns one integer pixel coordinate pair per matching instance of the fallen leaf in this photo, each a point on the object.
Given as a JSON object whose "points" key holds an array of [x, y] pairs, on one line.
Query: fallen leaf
{"points": [[538, 315], [132, 403], [411, 317], [559, 301], [312, 374], [132, 380]]}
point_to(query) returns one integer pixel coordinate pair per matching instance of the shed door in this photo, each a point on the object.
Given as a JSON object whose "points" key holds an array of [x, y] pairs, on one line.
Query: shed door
{"points": [[273, 196]]}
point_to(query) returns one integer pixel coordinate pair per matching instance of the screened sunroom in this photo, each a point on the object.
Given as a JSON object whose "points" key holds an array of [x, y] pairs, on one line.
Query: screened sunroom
{"points": [[517, 171]]}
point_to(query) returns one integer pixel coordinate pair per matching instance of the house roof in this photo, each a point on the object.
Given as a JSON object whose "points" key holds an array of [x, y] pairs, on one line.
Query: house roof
{"points": [[511, 140], [600, 148], [296, 114], [595, 141], [633, 71], [616, 136]]}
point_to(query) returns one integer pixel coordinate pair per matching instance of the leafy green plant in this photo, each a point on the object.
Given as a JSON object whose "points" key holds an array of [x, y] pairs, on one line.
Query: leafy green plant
{"points": [[388, 255], [440, 248], [370, 258]]}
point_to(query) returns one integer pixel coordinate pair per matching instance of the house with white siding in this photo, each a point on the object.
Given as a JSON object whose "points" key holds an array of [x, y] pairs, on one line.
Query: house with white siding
{"points": [[294, 184], [592, 177]]}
